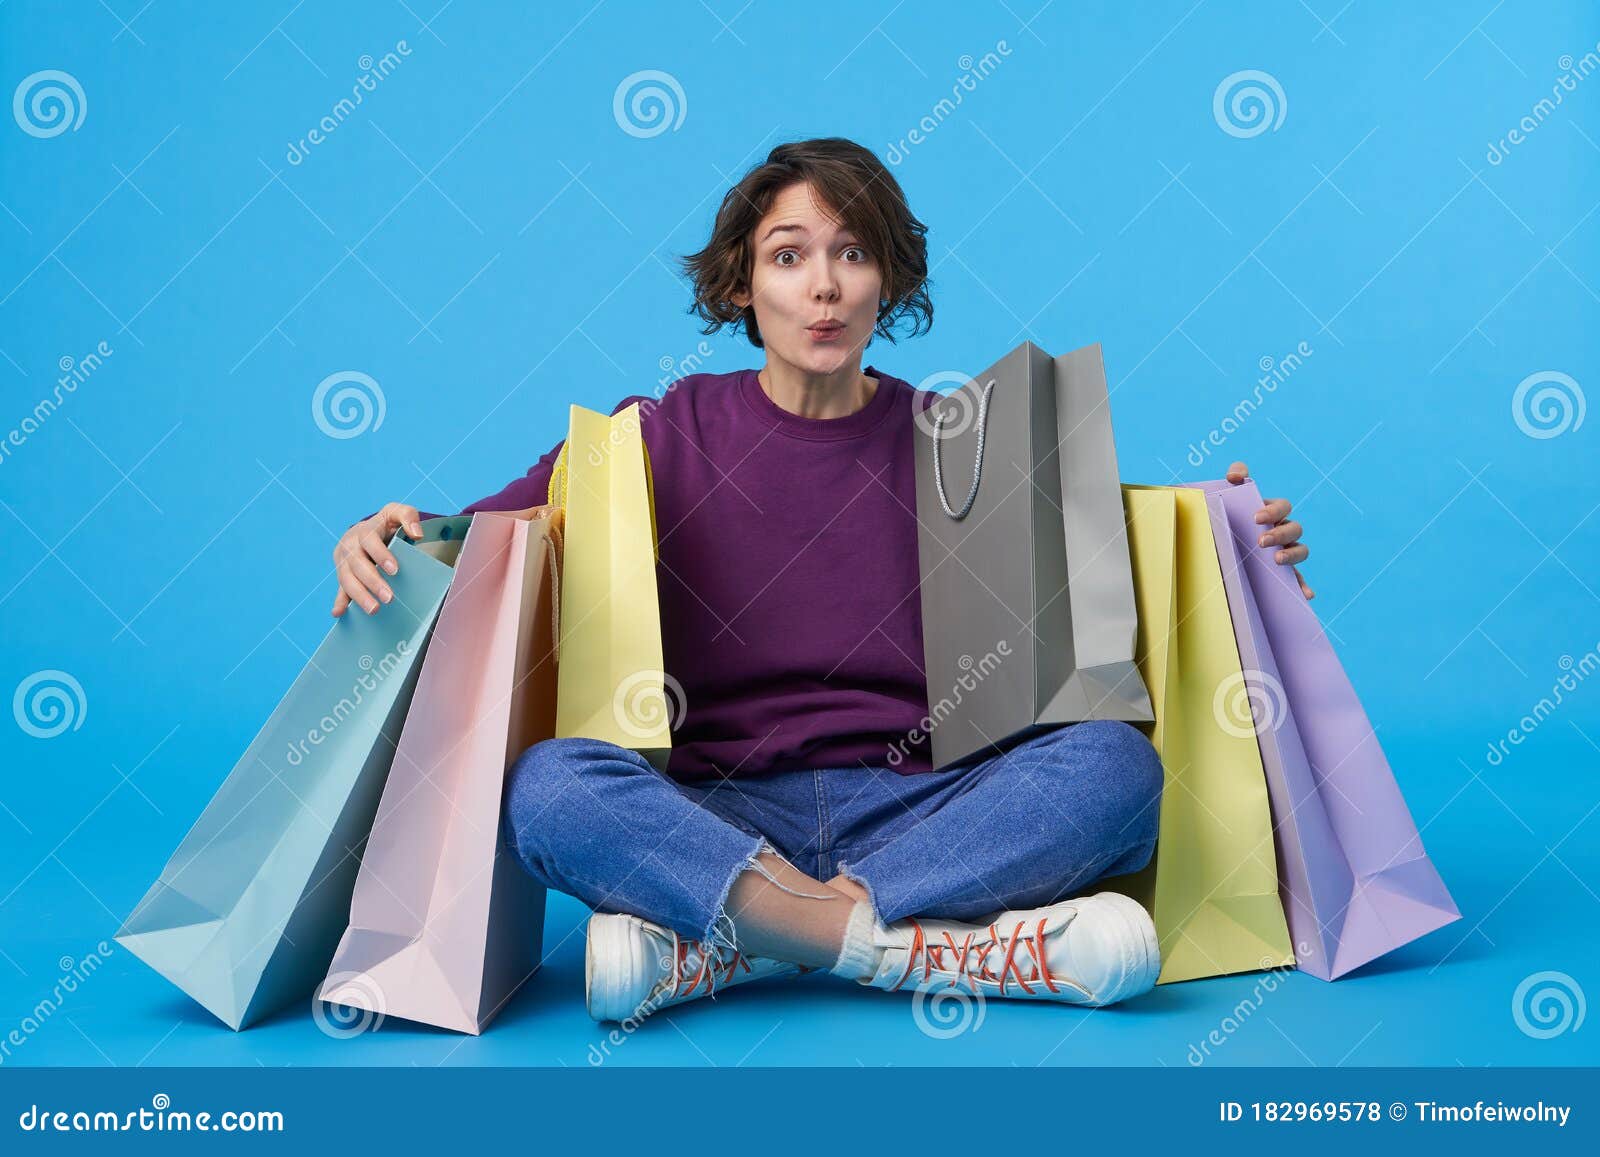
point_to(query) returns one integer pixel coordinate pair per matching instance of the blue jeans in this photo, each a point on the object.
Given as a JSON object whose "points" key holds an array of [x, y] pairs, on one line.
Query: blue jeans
{"points": [[1016, 830]]}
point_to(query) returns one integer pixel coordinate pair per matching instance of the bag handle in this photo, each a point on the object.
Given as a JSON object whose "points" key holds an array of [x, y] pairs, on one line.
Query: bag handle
{"points": [[977, 465]]}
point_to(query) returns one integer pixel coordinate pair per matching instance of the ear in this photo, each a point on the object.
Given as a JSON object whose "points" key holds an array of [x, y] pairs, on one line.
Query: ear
{"points": [[740, 300]]}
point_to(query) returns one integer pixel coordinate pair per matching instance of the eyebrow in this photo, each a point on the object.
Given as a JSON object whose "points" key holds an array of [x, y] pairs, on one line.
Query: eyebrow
{"points": [[844, 233]]}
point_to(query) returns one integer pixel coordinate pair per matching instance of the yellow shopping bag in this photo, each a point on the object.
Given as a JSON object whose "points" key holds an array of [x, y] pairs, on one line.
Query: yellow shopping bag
{"points": [[1212, 885], [610, 679]]}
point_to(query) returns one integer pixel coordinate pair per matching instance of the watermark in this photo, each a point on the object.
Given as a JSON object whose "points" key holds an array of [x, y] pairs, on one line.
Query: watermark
{"points": [[48, 703], [958, 412], [372, 675], [940, 711], [348, 404], [49, 103], [1548, 1004], [1274, 372], [160, 1117], [74, 973], [674, 370], [1237, 1017], [947, 1012], [1547, 404], [1249, 703], [973, 72], [1572, 74], [348, 1005], [1573, 673], [644, 700], [373, 73], [658, 997], [74, 373], [648, 103], [1248, 103]]}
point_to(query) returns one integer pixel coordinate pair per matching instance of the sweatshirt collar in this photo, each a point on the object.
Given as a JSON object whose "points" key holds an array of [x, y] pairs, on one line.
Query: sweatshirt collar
{"points": [[819, 429]]}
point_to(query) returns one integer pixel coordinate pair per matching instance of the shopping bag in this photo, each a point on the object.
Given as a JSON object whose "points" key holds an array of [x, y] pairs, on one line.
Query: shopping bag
{"points": [[444, 924], [1355, 879], [246, 914], [1028, 614], [1212, 884], [612, 682]]}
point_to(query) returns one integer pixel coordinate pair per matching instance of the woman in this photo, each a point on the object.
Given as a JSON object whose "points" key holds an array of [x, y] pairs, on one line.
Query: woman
{"points": [[780, 839]]}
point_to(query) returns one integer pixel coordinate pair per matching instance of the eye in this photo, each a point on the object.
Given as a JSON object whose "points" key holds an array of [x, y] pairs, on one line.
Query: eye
{"points": [[782, 253], [864, 256]]}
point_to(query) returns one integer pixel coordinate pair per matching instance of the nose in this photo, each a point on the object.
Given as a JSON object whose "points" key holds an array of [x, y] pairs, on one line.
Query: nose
{"points": [[826, 285]]}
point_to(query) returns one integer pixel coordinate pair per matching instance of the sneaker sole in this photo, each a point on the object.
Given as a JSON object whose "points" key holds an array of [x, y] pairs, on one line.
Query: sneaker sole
{"points": [[614, 952], [1142, 964]]}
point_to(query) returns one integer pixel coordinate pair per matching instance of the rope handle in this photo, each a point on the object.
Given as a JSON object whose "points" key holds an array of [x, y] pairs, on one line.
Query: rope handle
{"points": [[977, 466]]}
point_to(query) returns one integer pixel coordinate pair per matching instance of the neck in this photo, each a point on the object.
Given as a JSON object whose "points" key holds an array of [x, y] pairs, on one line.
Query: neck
{"points": [[807, 395]]}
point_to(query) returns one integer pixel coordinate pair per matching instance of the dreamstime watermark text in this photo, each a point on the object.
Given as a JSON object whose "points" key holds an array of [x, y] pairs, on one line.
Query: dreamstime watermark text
{"points": [[373, 73], [74, 373]]}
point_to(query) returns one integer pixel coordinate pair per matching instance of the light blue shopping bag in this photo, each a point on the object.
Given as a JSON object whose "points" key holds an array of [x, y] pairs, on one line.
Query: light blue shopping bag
{"points": [[247, 913]]}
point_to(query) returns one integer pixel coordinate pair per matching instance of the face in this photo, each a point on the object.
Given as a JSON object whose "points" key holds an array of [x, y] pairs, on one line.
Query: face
{"points": [[808, 267]]}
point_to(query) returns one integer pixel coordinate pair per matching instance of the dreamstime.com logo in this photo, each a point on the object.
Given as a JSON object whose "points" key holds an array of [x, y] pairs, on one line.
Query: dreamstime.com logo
{"points": [[973, 673], [1274, 975], [648, 103], [1548, 1004], [1547, 404], [647, 699], [372, 674], [948, 1012], [959, 407], [74, 975], [348, 404], [74, 373], [160, 1117], [1274, 372], [49, 103], [373, 73], [973, 72], [48, 703], [1248, 703], [1248, 103], [348, 1005]]}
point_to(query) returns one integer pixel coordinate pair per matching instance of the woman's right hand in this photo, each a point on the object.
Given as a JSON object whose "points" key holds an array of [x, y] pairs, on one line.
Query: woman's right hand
{"points": [[363, 549]]}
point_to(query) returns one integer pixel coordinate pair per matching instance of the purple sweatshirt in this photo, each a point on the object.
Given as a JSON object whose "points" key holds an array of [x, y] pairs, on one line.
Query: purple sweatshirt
{"points": [[788, 576]]}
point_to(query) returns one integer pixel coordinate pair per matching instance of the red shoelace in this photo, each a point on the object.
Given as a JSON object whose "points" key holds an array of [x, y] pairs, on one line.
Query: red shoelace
{"points": [[713, 971], [932, 958]]}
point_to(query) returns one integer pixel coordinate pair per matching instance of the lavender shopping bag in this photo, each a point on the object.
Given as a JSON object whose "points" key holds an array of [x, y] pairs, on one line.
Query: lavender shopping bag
{"points": [[1355, 879]]}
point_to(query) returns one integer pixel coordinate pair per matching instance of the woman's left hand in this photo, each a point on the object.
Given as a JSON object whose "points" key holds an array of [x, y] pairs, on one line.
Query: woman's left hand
{"points": [[1281, 533]]}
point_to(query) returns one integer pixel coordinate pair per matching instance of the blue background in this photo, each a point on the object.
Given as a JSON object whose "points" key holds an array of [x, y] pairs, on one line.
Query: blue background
{"points": [[484, 240]]}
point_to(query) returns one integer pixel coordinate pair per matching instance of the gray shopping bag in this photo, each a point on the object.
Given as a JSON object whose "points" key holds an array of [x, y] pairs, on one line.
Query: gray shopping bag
{"points": [[1027, 591]]}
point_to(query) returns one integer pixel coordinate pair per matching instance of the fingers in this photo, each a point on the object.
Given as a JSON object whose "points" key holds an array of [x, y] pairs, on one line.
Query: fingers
{"points": [[378, 552], [1304, 589], [1284, 534], [364, 572], [398, 514], [340, 603], [355, 590], [1274, 510], [1238, 472], [1292, 554]]}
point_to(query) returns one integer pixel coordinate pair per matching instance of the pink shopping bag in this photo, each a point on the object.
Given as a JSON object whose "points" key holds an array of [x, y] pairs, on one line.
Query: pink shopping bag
{"points": [[444, 923]]}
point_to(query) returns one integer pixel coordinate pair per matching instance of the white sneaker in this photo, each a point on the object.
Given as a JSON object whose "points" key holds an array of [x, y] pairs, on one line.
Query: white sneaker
{"points": [[634, 967], [1091, 950]]}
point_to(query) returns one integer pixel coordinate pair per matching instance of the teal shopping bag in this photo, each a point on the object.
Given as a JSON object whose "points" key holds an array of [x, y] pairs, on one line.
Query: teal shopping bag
{"points": [[247, 913]]}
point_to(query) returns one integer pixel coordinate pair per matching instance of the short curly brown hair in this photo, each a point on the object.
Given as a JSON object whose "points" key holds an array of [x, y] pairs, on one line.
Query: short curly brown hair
{"points": [[851, 182]]}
